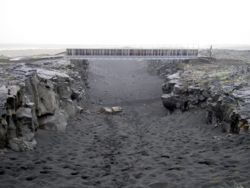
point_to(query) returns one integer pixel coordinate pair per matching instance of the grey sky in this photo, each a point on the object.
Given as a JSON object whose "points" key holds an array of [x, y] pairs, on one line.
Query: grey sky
{"points": [[125, 22]]}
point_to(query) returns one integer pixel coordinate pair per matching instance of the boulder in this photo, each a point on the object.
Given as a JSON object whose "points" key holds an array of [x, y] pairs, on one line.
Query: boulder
{"points": [[21, 144], [169, 101], [47, 101], [111, 110], [56, 122], [23, 113], [69, 107], [3, 132]]}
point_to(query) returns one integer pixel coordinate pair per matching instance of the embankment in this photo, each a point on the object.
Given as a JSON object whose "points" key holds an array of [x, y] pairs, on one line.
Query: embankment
{"points": [[43, 93], [220, 86]]}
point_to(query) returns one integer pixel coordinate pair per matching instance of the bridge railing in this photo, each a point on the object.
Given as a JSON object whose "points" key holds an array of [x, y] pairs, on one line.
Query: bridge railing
{"points": [[133, 52]]}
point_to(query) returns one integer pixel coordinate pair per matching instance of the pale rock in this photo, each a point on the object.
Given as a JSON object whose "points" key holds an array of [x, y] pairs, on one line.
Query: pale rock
{"points": [[69, 107], [24, 113], [57, 122], [21, 144], [47, 100], [116, 109]]}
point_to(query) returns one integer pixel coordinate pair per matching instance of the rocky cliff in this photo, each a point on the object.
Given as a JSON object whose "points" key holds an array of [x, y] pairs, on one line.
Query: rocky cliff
{"points": [[220, 86], [39, 94]]}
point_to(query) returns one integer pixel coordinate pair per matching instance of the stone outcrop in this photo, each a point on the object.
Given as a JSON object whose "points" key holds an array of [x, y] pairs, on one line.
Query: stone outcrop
{"points": [[221, 87], [39, 94]]}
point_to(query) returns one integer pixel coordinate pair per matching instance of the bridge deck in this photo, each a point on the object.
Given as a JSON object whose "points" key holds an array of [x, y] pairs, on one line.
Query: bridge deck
{"points": [[135, 53]]}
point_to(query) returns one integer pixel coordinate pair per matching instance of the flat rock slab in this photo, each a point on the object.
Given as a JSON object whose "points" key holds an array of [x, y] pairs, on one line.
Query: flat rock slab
{"points": [[111, 110]]}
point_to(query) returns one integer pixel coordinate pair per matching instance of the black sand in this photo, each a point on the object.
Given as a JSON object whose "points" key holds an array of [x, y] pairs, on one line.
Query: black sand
{"points": [[143, 146]]}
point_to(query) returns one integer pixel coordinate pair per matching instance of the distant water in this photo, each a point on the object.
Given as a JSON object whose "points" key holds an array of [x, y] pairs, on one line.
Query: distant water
{"points": [[22, 50], [30, 46]]}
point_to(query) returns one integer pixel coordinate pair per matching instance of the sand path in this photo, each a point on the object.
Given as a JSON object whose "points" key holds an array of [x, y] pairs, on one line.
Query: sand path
{"points": [[142, 147]]}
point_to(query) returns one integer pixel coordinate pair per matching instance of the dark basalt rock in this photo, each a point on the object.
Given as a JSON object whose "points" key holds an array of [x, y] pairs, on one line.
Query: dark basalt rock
{"points": [[38, 95], [222, 90], [169, 102]]}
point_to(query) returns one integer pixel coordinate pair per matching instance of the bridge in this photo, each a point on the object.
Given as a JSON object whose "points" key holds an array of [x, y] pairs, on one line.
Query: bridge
{"points": [[116, 53]]}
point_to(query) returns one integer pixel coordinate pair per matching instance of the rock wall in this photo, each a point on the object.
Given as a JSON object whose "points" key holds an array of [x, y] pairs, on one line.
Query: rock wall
{"points": [[221, 87], [39, 94]]}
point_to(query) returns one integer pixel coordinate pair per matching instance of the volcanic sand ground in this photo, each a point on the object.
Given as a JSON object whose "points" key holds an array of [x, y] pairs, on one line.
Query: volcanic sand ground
{"points": [[143, 146]]}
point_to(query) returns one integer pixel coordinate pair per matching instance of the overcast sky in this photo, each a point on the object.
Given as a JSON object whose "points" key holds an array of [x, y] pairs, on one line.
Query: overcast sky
{"points": [[125, 22]]}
